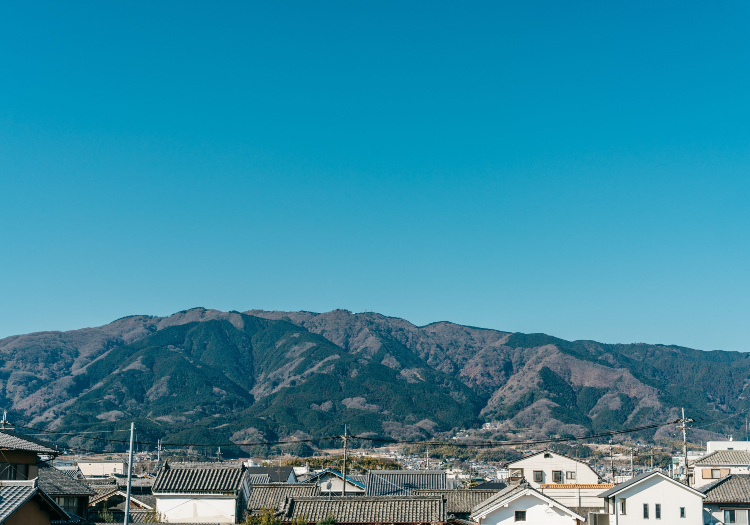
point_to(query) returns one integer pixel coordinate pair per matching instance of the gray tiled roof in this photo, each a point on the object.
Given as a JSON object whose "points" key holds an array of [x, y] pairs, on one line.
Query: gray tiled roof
{"points": [[277, 474], [14, 496], [199, 478], [11, 441], [402, 482], [273, 495], [56, 483], [725, 457], [368, 509], [259, 478], [459, 501], [734, 488]]}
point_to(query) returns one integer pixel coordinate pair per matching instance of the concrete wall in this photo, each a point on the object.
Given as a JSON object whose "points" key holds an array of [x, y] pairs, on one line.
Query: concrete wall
{"points": [[30, 514], [197, 509], [584, 475], [102, 468], [713, 446], [669, 494], [537, 513]]}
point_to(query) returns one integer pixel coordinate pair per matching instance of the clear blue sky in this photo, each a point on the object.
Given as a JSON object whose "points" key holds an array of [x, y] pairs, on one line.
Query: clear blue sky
{"points": [[576, 169]]}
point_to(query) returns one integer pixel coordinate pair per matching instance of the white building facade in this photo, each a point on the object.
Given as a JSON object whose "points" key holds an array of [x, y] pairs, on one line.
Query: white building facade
{"points": [[523, 504], [653, 496]]}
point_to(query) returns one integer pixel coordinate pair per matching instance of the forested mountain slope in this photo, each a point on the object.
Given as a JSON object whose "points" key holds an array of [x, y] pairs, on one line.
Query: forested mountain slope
{"points": [[209, 376]]}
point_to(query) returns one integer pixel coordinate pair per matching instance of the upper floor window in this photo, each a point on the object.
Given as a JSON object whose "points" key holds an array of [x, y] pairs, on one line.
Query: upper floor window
{"points": [[623, 506], [12, 471], [557, 476], [571, 475], [645, 511], [520, 515], [682, 512], [538, 476], [657, 511]]}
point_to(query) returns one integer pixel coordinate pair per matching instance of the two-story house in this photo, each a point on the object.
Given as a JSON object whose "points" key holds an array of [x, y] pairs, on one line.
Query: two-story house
{"points": [[720, 464]]}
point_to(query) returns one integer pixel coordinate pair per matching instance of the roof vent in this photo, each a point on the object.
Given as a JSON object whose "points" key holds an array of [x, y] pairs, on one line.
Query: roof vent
{"points": [[547, 455]]}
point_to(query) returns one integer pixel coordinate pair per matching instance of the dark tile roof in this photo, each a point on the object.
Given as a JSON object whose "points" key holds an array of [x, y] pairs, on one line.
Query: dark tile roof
{"points": [[199, 478], [277, 474], [734, 488], [56, 483], [490, 485], [12, 441], [259, 478], [367, 509], [725, 457], [459, 501], [273, 495], [14, 495], [402, 482]]}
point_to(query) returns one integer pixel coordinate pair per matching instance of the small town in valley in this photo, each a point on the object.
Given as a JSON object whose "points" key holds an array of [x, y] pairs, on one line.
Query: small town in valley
{"points": [[459, 482]]}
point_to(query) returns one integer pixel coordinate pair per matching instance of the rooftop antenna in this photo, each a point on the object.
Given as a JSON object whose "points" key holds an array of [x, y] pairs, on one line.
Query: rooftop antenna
{"points": [[5, 418]]}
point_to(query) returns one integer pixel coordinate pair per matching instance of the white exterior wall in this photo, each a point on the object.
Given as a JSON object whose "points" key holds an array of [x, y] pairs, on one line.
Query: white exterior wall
{"points": [[102, 468], [197, 509], [713, 446], [698, 472], [576, 497], [537, 513], [671, 495], [336, 486], [584, 475], [714, 514]]}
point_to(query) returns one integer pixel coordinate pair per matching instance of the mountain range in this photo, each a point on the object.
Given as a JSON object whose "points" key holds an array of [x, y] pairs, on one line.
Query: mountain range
{"points": [[206, 376]]}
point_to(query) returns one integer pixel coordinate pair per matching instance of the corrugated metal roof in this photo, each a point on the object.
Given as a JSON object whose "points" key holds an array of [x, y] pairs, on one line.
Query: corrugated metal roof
{"points": [[56, 483], [12, 441], [273, 495], [368, 509], [402, 482], [459, 501], [734, 488], [209, 478], [725, 457]]}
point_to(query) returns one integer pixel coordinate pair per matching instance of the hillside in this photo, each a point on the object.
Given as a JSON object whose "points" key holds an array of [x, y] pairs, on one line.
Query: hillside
{"points": [[209, 376]]}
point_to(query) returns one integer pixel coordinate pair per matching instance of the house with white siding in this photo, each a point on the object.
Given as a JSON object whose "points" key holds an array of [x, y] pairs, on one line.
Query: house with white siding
{"points": [[202, 492], [653, 496], [720, 464], [522, 503]]}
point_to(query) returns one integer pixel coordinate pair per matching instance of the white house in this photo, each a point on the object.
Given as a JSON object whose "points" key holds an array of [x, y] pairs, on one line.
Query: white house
{"points": [[720, 464], [547, 467], [567, 480], [653, 496], [523, 504], [727, 500], [202, 492]]}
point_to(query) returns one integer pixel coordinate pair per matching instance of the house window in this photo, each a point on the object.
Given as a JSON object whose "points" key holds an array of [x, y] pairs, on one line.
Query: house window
{"points": [[14, 471], [645, 511], [715, 473], [623, 507], [682, 512], [730, 516], [538, 476], [520, 515], [557, 476], [571, 475], [657, 511]]}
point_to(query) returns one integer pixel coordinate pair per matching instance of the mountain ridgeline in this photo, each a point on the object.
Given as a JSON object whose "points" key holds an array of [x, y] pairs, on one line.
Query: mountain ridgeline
{"points": [[205, 376]]}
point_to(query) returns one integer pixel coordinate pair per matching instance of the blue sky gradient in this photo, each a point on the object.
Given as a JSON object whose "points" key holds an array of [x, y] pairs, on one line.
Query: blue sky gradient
{"points": [[580, 170]]}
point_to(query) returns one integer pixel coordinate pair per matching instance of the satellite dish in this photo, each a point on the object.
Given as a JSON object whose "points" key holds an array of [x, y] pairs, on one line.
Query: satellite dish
{"points": [[328, 485]]}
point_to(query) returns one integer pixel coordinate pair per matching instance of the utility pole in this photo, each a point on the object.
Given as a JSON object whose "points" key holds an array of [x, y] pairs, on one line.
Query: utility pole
{"points": [[158, 450], [612, 461], [683, 426], [343, 486], [218, 454], [652, 458], [631, 464], [130, 473], [427, 452], [5, 418]]}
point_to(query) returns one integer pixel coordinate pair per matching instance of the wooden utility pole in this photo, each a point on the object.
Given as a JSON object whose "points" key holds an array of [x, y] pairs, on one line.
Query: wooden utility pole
{"points": [[130, 473]]}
